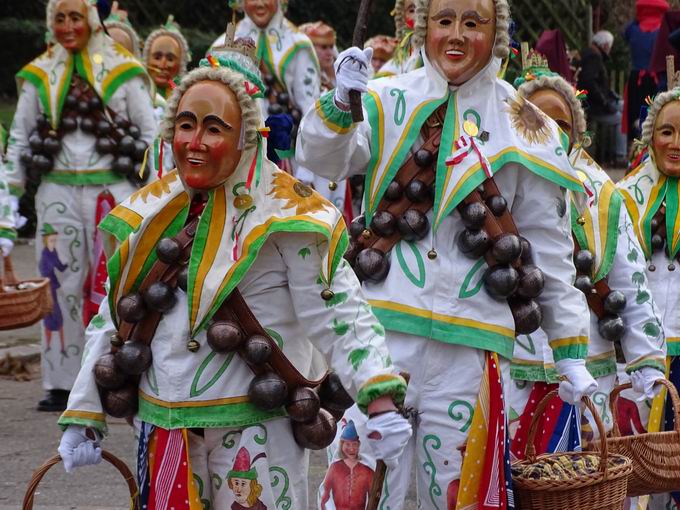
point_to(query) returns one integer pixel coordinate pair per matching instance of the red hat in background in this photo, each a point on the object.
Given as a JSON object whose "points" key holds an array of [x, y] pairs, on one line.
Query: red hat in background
{"points": [[649, 13]]}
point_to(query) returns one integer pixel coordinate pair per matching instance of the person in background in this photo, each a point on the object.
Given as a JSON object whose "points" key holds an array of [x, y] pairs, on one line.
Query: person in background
{"points": [[323, 38], [384, 48], [551, 44]]}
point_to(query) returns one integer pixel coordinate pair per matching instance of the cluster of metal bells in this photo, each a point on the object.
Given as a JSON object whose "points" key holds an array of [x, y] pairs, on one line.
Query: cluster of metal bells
{"points": [[282, 104], [514, 277], [658, 241], [611, 327]]}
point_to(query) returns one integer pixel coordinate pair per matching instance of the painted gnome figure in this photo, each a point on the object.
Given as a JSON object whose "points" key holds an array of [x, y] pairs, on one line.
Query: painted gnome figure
{"points": [[622, 310], [457, 165], [406, 57], [77, 141], [226, 245], [651, 195]]}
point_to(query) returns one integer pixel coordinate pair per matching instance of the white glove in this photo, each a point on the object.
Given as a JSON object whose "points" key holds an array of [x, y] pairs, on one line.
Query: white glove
{"points": [[19, 220], [6, 246], [352, 70], [388, 435], [644, 382], [78, 449], [579, 382]]}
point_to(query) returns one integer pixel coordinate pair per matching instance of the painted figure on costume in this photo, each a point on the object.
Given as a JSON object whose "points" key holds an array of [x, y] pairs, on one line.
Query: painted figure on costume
{"points": [[622, 308], [75, 138], [440, 147], [384, 47], [48, 266], [348, 480], [260, 252]]}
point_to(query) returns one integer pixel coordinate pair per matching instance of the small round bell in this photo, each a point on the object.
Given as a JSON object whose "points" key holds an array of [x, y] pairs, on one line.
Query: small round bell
{"points": [[506, 248], [123, 166], [584, 261], [116, 341], [42, 164], [615, 302], [68, 124], [327, 294], [332, 185], [118, 133], [394, 192], [193, 345], [658, 242], [283, 98], [106, 373], [131, 308], [43, 123], [35, 142], [268, 391], [133, 358], [318, 433], [51, 146], [83, 107], [134, 132], [103, 127], [651, 268], [531, 281], [413, 225], [225, 337], [126, 145], [257, 350], [303, 405], [474, 243], [611, 328], [333, 394], [372, 265], [95, 103], [384, 224], [357, 226], [140, 151], [87, 125], [105, 146], [432, 254], [527, 315], [501, 282], [121, 403], [423, 158], [183, 278], [584, 284], [474, 215], [417, 191], [497, 204], [671, 267], [168, 250], [159, 296], [655, 223], [527, 256]]}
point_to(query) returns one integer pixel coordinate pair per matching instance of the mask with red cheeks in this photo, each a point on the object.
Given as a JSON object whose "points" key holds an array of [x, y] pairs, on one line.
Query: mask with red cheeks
{"points": [[666, 140], [70, 25], [410, 14], [207, 133], [122, 37], [261, 12], [164, 59], [460, 37], [556, 107]]}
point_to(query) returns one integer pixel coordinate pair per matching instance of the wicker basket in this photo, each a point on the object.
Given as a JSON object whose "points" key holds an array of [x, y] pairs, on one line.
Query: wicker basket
{"points": [[26, 303], [602, 490], [109, 457], [655, 456]]}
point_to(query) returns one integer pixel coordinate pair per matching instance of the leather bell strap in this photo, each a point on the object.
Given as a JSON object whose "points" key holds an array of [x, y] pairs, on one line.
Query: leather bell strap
{"points": [[600, 292]]}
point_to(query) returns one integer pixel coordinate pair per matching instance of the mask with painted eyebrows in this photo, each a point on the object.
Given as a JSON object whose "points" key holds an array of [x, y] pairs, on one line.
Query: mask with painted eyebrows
{"points": [[666, 140]]}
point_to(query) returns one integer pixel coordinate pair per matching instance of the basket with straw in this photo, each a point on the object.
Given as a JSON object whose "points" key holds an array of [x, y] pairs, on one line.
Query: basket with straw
{"points": [[22, 303]]}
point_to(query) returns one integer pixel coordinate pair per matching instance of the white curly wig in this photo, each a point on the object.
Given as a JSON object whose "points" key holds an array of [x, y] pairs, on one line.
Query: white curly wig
{"points": [[131, 32], [502, 43], [92, 17], [564, 89], [185, 57], [659, 102], [399, 15], [250, 111]]}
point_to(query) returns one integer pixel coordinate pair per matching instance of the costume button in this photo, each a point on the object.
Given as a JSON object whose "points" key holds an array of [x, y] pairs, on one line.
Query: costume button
{"points": [[193, 346]]}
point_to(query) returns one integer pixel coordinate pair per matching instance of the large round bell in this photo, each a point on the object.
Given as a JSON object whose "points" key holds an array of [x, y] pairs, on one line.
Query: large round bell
{"points": [[584, 261], [384, 224], [70, 102], [615, 302], [357, 226], [333, 394], [126, 145], [318, 433], [531, 281], [584, 284], [303, 404], [168, 250], [423, 158], [131, 308], [527, 315], [352, 251], [473, 215], [258, 350], [123, 166], [159, 296], [121, 403], [506, 248], [105, 146], [183, 277], [611, 328], [95, 103], [501, 282], [225, 337], [68, 124], [413, 225], [394, 191], [140, 151], [35, 142], [26, 157], [121, 122], [417, 191], [658, 242], [87, 125], [268, 391], [41, 163], [527, 256], [372, 265], [43, 123], [133, 358], [106, 374], [135, 132], [103, 127], [474, 243], [497, 204], [51, 145], [83, 107]]}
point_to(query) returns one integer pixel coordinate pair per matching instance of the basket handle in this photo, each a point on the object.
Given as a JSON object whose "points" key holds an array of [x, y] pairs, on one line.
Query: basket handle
{"points": [[530, 450], [109, 457], [672, 391]]}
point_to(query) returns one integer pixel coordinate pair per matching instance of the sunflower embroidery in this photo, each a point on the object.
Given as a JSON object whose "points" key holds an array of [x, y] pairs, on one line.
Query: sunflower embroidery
{"points": [[297, 195], [157, 189], [528, 121]]}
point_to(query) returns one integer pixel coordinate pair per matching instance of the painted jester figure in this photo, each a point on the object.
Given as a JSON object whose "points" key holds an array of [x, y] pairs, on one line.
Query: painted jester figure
{"points": [[465, 240], [652, 197], [611, 273], [229, 274], [83, 122]]}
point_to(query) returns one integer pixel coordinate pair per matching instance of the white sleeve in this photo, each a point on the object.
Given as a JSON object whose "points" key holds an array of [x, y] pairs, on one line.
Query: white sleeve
{"points": [[303, 80], [25, 121], [140, 109]]}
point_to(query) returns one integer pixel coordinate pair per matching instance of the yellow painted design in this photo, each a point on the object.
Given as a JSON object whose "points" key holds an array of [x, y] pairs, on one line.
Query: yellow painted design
{"points": [[156, 189], [381, 145], [84, 415], [566, 342], [470, 128], [243, 201], [97, 58], [529, 122], [128, 216], [193, 403], [297, 195], [116, 72]]}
